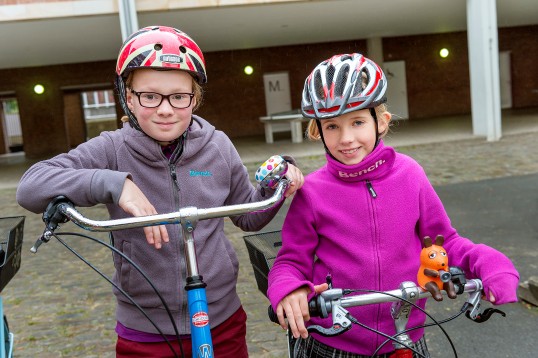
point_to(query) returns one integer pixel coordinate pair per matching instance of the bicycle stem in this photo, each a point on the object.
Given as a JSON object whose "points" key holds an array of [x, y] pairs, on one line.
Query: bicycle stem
{"points": [[400, 311]]}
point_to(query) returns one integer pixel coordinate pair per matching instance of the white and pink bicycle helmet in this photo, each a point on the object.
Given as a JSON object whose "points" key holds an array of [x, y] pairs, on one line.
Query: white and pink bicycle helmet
{"points": [[342, 84]]}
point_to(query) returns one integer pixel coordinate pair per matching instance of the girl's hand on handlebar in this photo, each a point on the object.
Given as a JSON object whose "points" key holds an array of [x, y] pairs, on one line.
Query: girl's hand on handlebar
{"points": [[491, 297], [296, 178], [134, 202], [294, 308], [501, 289]]}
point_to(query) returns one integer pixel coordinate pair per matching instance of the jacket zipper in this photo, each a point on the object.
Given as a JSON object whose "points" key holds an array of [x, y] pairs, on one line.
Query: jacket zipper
{"points": [[376, 238], [371, 189], [182, 269]]}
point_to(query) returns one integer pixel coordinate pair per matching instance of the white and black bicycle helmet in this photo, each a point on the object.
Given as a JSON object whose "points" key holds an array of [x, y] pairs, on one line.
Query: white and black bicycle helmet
{"points": [[342, 84]]}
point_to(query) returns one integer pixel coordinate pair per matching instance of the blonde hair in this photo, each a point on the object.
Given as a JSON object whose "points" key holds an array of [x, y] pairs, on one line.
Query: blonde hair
{"points": [[312, 131]]}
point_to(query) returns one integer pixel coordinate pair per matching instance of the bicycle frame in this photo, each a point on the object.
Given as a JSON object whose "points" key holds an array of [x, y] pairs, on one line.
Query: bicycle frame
{"points": [[187, 218]]}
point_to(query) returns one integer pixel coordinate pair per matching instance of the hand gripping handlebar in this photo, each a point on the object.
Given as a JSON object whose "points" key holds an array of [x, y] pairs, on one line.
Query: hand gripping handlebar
{"points": [[61, 210], [332, 302], [271, 174]]}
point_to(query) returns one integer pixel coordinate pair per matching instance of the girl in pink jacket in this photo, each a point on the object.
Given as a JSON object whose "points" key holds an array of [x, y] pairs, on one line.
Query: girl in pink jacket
{"points": [[362, 218]]}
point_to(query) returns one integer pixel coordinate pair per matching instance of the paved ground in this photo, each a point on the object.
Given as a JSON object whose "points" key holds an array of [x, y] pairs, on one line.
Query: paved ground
{"points": [[57, 306]]}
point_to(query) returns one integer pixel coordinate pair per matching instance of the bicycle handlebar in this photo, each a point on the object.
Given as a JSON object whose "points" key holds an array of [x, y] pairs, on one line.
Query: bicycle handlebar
{"points": [[193, 214], [332, 301], [175, 217], [408, 291], [322, 305]]}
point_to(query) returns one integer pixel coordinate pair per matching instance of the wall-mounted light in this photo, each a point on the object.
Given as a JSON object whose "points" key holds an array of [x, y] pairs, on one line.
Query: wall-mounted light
{"points": [[249, 70], [444, 53], [39, 89]]}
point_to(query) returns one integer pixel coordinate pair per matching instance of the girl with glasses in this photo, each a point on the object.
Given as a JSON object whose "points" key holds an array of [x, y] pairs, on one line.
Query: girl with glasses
{"points": [[162, 159]]}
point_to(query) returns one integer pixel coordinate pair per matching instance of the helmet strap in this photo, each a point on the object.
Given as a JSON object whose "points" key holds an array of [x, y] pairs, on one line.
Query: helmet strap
{"points": [[120, 85], [374, 115]]}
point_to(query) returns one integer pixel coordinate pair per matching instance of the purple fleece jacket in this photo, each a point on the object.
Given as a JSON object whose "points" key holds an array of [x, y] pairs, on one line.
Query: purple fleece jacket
{"points": [[209, 173], [335, 225]]}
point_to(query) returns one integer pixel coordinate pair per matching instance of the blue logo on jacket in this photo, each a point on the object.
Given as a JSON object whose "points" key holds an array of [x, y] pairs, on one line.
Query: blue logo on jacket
{"points": [[197, 173]]}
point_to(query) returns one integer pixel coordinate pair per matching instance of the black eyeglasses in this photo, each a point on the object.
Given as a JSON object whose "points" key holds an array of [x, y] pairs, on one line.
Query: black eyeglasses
{"points": [[153, 100]]}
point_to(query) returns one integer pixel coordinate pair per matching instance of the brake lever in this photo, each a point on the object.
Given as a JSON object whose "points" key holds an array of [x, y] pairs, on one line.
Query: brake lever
{"points": [[341, 323], [484, 316], [473, 313]]}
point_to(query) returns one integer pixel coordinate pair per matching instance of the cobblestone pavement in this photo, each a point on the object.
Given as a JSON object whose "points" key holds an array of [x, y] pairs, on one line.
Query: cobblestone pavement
{"points": [[58, 307]]}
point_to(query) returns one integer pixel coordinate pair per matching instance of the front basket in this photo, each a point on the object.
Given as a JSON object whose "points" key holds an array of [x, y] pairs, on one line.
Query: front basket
{"points": [[11, 234], [262, 250]]}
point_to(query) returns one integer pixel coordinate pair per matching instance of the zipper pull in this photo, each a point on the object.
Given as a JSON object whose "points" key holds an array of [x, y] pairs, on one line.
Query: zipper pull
{"points": [[174, 175], [371, 189], [173, 172]]}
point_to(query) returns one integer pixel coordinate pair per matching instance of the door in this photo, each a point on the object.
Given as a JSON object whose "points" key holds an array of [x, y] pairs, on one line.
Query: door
{"points": [[277, 92], [11, 125]]}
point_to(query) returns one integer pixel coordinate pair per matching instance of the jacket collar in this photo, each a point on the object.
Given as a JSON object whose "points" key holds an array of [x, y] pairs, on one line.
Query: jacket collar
{"points": [[374, 166]]}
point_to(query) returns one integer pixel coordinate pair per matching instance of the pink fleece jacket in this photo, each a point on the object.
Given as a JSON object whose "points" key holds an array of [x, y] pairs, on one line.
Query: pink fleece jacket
{"points": [[364, 224]]}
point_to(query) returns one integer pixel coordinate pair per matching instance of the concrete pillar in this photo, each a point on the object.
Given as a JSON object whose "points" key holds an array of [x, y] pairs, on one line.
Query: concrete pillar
{"points": [[484, 68], [375, 50], [128, 17]]}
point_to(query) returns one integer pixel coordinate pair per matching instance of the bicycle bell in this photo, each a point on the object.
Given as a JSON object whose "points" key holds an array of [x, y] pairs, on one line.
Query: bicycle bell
{"points": [[271, 172]]}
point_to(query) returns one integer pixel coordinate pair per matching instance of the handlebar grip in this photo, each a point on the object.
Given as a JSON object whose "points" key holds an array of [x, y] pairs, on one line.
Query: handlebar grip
{"points": [[52, 216], [313, 308], [272, 314]]}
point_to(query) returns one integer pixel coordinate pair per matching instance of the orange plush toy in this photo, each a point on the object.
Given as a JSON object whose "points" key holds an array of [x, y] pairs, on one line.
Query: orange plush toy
{"points": [[434, 273]]}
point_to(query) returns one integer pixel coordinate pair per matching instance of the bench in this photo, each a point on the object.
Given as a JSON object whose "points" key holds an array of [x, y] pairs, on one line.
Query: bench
{"points": [[289, 121]]}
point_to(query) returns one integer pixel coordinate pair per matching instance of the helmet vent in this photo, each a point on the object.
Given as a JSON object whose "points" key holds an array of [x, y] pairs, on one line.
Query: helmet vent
{"points": [[318, 86], [359, 83], [158, 47], [330, 74], [307, 99], [357, 89], [182, 49], [341, 79]]}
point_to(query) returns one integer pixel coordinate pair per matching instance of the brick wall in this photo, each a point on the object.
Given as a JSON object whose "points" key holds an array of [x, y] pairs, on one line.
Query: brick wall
{"points": [[234, 101], [435, 86]]}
